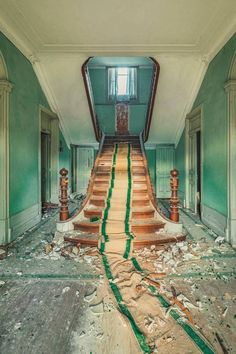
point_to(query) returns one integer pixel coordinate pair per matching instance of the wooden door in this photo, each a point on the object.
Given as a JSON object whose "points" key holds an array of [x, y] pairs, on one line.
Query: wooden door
{"points": [[122, 119], [164, 164]]}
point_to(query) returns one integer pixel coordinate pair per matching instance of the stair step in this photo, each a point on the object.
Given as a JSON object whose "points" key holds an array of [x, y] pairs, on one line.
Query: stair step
{"points": [[93, 212], [99, 192], [87, 226], [140, 201], [143, 213], [97, 201], [146, 226]]}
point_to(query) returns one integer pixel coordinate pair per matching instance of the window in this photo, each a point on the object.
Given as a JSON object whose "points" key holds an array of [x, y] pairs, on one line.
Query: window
{"points": [[122, 84]]}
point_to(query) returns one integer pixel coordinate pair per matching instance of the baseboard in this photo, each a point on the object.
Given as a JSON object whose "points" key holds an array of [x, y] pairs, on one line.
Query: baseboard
{"points": [[24, 220], [214, 220]]}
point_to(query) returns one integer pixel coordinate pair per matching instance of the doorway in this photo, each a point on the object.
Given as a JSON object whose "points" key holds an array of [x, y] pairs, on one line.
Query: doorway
{"points": [[198, 176], [122, 119], [193, 161], [45, 168]]}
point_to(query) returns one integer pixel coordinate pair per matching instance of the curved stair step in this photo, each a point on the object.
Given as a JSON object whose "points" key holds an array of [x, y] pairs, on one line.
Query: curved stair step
{"points": [[93, 213], [87, 226], [147, 226], [143, 213], [97, 201]]}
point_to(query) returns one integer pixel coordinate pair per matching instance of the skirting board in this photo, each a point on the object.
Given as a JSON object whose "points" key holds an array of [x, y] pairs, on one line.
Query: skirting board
{"points": [[24, 220], [214, 220]]}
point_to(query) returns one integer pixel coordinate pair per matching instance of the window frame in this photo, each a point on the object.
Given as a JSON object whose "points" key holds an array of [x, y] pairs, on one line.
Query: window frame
{"points": [[116, 99]]}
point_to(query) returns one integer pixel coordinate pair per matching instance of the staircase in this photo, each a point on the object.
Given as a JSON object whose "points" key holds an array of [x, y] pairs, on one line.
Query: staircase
{"points": [[146, 222]]}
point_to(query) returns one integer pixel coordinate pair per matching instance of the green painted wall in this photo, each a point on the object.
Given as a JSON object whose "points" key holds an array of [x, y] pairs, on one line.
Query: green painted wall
{"points": [[25, 98], [214, 128], [151, 158], [213, 99], [106, 111]]}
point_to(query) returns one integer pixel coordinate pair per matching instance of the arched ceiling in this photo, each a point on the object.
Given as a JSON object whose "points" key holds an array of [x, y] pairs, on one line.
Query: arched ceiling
{"points": [[58, 36]]}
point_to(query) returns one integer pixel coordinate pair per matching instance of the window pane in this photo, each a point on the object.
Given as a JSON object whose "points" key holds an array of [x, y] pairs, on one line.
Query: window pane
{"points": [[122, 71], [122, 85]]}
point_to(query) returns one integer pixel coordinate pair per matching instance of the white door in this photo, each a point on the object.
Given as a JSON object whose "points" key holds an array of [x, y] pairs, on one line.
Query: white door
{"points": [[85, 158]]}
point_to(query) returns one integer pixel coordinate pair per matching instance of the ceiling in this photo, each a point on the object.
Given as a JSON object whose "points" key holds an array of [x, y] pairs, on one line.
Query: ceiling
{"points": [[58, 36]]}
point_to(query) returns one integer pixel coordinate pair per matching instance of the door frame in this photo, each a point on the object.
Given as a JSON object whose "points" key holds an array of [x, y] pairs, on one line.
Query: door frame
{"points": [[193, 124], [230, 88], [5, 90], [116, 116], [54, 158]]}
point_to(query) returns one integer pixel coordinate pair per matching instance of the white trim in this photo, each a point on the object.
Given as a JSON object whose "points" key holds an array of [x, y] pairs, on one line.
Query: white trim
{"points": [[5, 89], [24, 220], [54, 130], [230, 88], [193, 124], [214, 220]]}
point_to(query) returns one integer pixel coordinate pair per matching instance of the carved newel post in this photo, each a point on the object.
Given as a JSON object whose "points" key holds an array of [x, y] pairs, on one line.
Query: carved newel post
{"points": [[64, 211], [174, 200]]}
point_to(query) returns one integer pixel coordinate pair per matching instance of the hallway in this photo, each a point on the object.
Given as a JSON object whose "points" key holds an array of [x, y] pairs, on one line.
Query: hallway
{"points": [[63, 304]]}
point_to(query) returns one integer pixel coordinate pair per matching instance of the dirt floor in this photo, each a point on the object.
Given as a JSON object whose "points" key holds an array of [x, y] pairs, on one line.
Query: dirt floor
{"points": [[58, 300]]}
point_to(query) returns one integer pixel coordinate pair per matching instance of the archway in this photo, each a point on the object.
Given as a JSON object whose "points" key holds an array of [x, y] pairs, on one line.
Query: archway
{"points": [[5, 89], [230, 88]]}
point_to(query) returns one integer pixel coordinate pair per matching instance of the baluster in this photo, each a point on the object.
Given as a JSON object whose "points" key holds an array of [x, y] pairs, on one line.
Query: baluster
{"points": [[64, 211], [174, 200]]}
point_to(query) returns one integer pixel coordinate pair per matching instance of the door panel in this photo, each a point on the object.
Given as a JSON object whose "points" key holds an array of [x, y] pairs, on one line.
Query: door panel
{"points": [[45, 168], [192, 172], [164, 164], [85, 158]]}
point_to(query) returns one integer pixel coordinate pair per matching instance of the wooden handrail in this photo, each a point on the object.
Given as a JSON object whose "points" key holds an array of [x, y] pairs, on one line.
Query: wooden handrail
{"points": [[91, 180], [87, 86], [152, 97], [150, 188]]}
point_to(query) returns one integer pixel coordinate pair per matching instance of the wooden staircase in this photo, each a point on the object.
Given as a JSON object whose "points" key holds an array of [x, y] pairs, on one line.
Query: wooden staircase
{"points": [[147, 224]]}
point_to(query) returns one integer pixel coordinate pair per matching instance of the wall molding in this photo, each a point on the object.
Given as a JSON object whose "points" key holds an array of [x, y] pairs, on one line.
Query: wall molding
{"points": [[23, 221], [5, 89], [214, 220], [54, 158], [193, 124], [230, 88]]}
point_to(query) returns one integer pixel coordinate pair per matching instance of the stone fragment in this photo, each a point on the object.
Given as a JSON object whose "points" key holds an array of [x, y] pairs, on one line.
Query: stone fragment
{"points": [[3, 254], [2, 283], [75, 250], [48, 248], [66, 289]]}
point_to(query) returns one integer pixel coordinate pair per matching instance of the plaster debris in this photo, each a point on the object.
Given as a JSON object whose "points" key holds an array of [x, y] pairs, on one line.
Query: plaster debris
{"points": [[2, 283], [220, 239], [3, 253], [66, 289]]}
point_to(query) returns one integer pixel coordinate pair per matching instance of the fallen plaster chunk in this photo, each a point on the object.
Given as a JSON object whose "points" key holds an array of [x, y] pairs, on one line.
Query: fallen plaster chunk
{"points": [[17, 325], [66, 289], [219, 240], [3, 253], [225, 312]]}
